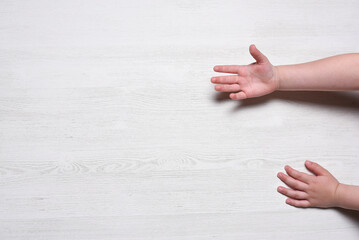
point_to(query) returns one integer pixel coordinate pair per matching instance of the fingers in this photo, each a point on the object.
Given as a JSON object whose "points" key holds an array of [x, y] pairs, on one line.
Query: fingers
{"points": [[291, 182], [231, 79], [298, 175], [229, 84], [238, 96], [298, 203], [292, 193], [226, 68], [257, 55], [316, 168], [228, 88]]}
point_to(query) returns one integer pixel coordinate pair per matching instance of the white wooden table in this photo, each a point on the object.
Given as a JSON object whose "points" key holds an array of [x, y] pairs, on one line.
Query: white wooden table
{"points": [[110, 127]]}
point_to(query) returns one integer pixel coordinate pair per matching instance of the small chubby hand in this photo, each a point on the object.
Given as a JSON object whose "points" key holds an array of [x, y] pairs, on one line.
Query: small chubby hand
{"points": [[253, 80], [306, 190]]}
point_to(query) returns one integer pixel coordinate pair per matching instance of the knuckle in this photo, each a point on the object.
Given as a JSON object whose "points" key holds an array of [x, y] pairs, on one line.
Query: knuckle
{"points": [[285, 177], [311, 179], [294, 173], [315, 181], [290, 182], [310, 203], [296, 195], [295, 184]]}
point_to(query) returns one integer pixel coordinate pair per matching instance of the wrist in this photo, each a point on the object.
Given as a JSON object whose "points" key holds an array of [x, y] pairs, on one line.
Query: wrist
{"points": [[337, 193], [277, 77]]}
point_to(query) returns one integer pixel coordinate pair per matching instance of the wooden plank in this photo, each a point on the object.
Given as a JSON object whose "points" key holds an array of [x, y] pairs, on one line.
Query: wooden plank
{"points": [[111, 129]]}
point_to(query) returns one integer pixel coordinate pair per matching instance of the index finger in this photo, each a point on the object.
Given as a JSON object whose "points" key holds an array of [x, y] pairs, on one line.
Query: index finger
{"points": [[298, 175], [226, 68]]}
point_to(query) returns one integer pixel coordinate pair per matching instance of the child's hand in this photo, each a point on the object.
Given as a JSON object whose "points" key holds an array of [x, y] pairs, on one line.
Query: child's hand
{"points": [[253, 80], [307, 190]]}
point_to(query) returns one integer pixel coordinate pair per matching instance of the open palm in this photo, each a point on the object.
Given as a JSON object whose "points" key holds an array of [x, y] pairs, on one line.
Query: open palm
{"points": [[253, 80]]}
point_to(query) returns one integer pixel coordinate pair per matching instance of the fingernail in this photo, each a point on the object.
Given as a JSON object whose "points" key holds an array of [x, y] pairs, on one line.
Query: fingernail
{"points": [[309, 162]]}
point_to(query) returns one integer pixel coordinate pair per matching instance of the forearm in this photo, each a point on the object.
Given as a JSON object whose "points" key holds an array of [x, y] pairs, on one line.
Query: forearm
{"points": [[335, 73], [348, 196]]}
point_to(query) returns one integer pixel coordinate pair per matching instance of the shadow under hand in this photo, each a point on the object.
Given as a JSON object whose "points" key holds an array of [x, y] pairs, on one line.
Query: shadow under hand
{"points": [[349, 100], [352, 215], [221, 97]]}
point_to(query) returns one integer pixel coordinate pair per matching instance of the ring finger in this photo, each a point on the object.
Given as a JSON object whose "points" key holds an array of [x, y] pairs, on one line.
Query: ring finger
{"points": [[291, 182], [292, 193], [227, 79], [228, 88]]}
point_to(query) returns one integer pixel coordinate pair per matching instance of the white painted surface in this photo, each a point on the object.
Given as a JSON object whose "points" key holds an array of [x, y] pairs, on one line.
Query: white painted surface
{"points": [[111, 129]]}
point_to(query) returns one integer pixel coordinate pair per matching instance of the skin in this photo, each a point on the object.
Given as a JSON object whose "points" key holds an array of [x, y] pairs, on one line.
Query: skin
{"points": [[321, 190], [260, 78], [253, 80]]}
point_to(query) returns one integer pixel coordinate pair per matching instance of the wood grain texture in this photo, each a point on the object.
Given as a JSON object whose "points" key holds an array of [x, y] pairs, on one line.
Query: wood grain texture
{"points": [[111, 129]]}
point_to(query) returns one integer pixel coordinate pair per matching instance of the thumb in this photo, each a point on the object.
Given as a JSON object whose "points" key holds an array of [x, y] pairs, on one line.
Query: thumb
{"points": [[316, 168], [257, 55]]}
